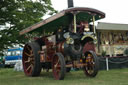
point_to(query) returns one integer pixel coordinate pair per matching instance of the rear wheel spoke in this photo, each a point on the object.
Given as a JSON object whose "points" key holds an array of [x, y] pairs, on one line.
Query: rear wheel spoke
{"points": [[27, 61], [30, 55], [29, 67], [28, 48]]}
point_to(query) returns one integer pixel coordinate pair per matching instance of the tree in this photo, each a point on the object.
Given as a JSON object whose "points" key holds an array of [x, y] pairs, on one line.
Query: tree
{"points": [[16, 15]]}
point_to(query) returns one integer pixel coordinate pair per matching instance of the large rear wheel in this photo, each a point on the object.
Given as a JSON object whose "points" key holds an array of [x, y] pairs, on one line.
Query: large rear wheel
{"points": [[31, 59], [58, 66], [91, 64]]}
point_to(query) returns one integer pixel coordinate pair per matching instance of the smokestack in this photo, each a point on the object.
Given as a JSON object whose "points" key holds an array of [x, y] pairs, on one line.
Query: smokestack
{"points": [[70, 3]]}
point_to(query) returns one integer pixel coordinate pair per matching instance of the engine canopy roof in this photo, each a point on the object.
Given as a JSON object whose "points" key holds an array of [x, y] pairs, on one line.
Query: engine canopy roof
{"points": [[64, 18]]}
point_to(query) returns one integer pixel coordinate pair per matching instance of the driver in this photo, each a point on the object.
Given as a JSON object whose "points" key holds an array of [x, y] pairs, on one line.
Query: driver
{"points": [[83, 27]]}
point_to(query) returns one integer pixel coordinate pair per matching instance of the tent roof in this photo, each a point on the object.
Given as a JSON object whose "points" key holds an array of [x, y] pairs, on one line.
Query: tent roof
{"points": [[111, 26]]}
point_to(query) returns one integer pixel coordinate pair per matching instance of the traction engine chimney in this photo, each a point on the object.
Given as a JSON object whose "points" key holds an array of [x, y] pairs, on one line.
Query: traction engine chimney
{"points": [[70, 3]]}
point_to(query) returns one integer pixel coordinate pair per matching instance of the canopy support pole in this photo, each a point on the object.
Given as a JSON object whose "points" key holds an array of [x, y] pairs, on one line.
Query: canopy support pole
{"points": [[94, 24], [74, 23]]}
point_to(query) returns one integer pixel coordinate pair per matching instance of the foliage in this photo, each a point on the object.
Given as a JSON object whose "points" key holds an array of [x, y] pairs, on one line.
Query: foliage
{"points": [[126, 51], [103, 53], [16, 15]]}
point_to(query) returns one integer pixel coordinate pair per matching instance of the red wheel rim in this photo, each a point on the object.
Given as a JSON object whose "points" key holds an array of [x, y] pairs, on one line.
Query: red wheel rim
{"points": [[89, 68], [56, 67], [28, 60]]}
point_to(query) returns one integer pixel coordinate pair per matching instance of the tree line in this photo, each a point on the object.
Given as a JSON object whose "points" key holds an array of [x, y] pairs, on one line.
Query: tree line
{"points": [[16, 15]]}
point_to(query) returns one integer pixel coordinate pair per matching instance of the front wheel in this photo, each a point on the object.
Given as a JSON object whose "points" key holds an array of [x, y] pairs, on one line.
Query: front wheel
{"points": [[91, 64], [58, 66]]}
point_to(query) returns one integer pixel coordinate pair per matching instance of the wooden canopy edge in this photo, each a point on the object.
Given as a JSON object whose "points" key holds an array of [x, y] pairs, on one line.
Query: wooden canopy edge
{"points": [[43, 22], [86, 9]]}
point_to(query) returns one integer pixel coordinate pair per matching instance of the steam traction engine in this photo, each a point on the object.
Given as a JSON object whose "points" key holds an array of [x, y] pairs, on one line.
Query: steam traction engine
{"points": [[72, 45]]}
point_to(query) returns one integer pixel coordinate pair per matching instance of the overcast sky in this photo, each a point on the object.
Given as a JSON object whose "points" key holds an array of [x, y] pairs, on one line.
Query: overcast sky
{"points": [[116, 10]]}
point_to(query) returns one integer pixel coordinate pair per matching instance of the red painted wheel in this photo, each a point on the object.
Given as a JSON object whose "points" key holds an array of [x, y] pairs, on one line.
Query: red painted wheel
{"points": [[31, 59], [58, 66], [92, 64]]}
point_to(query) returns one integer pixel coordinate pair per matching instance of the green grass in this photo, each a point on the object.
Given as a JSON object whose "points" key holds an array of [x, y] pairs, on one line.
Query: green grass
{"points": [[111, 77]]}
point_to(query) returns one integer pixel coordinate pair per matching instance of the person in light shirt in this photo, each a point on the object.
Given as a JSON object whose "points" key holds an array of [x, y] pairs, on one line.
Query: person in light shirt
{"points": [[83, 27]]}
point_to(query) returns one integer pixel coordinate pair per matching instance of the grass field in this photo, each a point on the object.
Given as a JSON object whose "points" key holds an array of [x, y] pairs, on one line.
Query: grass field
{"points": [[111, 77]]}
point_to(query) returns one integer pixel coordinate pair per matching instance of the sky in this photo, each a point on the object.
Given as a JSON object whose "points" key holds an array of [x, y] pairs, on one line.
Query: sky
{"points": [[116, 10]]}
